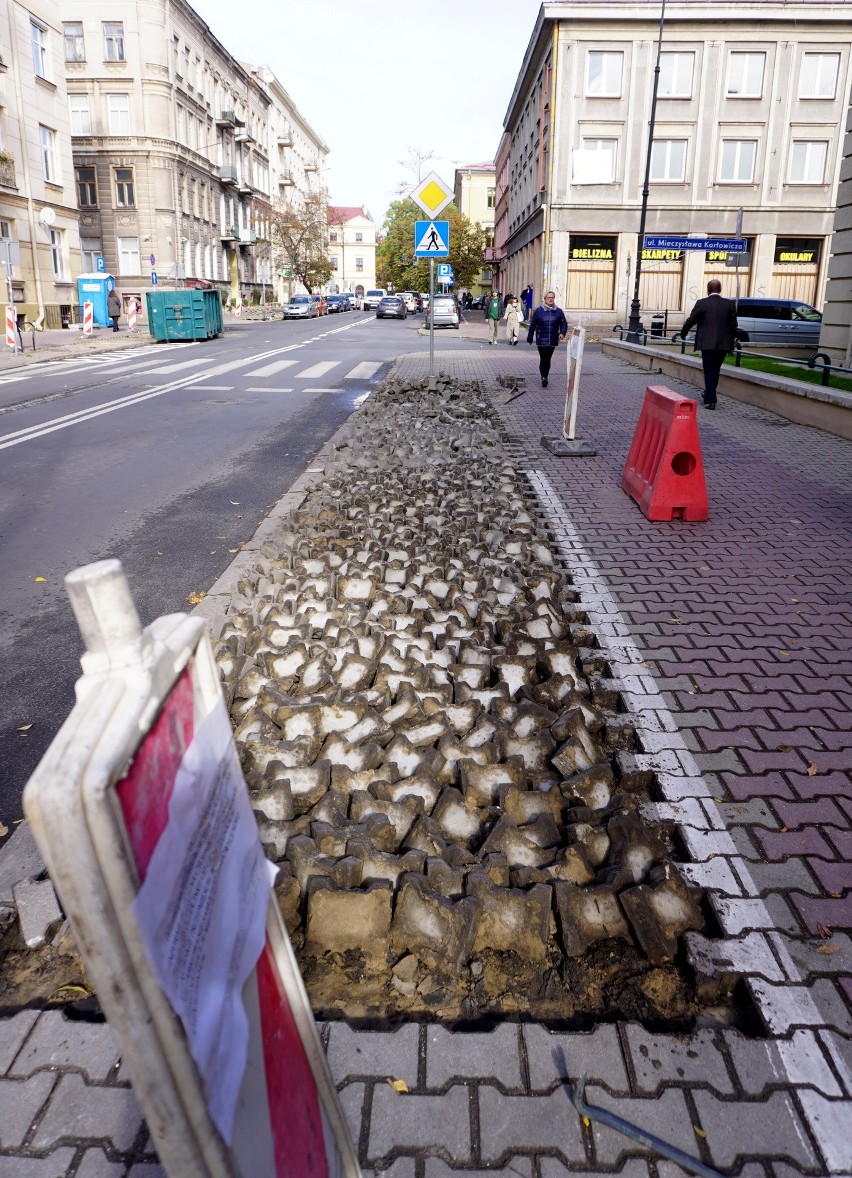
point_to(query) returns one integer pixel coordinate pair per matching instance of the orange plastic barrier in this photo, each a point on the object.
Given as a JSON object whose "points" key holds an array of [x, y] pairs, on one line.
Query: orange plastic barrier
{"points": [[664, 472]]}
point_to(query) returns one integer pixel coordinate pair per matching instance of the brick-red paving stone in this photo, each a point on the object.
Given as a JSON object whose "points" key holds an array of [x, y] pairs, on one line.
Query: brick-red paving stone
{"points": [[830, 913], [807, 841]]}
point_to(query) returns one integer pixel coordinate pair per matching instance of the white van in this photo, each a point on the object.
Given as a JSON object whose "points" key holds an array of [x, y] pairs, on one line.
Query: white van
{"points": [[372, 299]]}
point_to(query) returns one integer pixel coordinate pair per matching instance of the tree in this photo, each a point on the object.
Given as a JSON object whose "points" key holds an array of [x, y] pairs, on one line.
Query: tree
{"points": [[396, 264], [300, 234], [415, 164]]}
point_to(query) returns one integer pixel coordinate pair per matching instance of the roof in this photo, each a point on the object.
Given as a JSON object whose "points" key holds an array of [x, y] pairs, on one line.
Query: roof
{"points": [[338, 214]]}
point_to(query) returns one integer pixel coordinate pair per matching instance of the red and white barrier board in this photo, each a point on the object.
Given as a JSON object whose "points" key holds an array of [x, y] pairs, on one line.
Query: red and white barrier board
{"points": [[141, 813], [132, 312], [11, 327], [88, 318]]}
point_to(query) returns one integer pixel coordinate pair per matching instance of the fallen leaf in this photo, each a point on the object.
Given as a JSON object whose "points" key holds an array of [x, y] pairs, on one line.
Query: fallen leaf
{"points": [[212, 551], [812, 769], [585, 1120], [699, 1132], [785, 653], [234, 502], [70, 992], [826, 950], [4, 830], [782, 829], [194, 598], [398, 1085], [822, 931], [25, 727], [41, 578], [233, 549]]}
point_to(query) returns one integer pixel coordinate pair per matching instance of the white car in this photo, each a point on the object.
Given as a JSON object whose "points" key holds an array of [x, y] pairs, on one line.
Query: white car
{"points": [[372, 299]]}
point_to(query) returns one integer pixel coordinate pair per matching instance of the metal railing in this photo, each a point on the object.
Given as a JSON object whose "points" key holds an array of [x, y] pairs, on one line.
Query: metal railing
{"points": [[819, 362]]}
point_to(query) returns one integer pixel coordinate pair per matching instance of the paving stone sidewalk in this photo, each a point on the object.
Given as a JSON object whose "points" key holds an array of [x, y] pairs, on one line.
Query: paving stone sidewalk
{"points": [[730, 643]]}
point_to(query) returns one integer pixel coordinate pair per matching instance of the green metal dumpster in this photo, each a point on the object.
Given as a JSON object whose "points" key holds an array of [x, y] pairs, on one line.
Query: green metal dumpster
{"points": [[184, 314]]}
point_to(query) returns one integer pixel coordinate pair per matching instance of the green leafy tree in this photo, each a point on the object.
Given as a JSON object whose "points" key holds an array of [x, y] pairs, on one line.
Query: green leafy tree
{"points": [[396, 264], [300, 236]]}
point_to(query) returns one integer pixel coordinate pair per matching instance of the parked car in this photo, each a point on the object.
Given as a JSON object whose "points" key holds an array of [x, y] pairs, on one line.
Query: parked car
{"points": [[424, 299], [301, 307], [778, 323], [478, 303], [372, 299], [391, 307], [412, 300], [346, 302], [444, 312], [335, 304]]}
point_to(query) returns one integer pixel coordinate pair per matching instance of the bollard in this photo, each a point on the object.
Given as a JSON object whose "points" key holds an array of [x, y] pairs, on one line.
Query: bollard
{"points": [[11, 327], [88, 318]]}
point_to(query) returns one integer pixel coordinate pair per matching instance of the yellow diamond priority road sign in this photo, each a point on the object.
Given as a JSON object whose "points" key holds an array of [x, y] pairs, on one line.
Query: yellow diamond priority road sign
{"points": [[432, 195]]}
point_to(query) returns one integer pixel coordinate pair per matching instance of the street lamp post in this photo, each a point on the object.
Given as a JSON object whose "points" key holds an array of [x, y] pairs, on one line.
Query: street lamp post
{"points": [[634, 325]]}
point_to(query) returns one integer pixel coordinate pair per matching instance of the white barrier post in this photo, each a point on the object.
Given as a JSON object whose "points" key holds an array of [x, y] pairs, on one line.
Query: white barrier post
{"points": [[88, 318], [11, 328], [142, 815], [570, 446], [132, 311]]}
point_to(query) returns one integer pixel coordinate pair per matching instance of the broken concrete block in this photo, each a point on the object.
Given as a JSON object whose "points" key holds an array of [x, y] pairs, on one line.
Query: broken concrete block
{"points": [[525, 806], [506, 838], [635, 848], [511, 920], [586, 916], [482, 785], [594, 841], [437, 930], [443, 879], [458, 822], [402, 815], [38, 910], [660, 911], [592, 786], [339, 922]]}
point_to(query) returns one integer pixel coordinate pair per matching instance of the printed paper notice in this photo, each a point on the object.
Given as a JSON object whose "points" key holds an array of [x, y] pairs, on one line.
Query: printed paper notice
{"points": [[202, 910]]}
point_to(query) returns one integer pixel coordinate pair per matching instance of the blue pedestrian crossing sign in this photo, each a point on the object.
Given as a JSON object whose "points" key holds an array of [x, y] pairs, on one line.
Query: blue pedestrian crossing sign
{"points": [[431, 239]]}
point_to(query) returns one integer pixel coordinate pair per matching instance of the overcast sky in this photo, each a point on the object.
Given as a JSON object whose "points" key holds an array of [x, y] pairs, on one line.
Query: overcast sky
{"points": [[375, 76]]}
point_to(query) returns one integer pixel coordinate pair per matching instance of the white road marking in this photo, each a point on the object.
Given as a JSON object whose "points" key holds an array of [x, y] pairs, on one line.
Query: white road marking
{"points": [[266, 389], [183, 364], [363, 371], [320, 369], [322, 390], [271, 369], [213, 388]]}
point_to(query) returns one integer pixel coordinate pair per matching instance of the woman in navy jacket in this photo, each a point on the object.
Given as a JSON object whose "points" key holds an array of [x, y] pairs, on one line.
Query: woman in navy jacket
{"points": [[549, 326]]}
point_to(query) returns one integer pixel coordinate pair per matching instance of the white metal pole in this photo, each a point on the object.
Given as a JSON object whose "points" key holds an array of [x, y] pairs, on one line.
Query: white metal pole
{"points": [[431, 318]]}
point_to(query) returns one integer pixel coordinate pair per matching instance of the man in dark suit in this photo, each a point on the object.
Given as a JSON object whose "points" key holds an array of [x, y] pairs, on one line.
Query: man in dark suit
{"points": [[715, 321]]}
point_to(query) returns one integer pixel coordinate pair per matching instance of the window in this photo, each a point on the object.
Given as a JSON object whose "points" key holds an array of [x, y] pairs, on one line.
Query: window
{"points": [[603, 74], [118, 114], [125, 197], [818, 78], [676, 71], [81, 119], [91, 252], [38, 33], [57, 253], [807, 162], [598, 162], [745, 75], [47, 139], [87, 188], [333, 235], [75, 45], [737, 162], [490, 194], [114, 40], [359, 263], [128, 255], [180, 126], [334, 263], [359, 236], [668, 159]]}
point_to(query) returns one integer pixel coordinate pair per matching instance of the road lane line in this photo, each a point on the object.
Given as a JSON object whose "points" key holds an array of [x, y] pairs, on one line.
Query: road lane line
{"points": [[271, 369], [266, 389], [183, 364], [320, 369], [363, 371]]}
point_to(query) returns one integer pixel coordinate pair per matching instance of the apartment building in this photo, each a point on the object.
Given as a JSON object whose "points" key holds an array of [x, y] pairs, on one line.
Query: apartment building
{"points": [[351, 249], [38, 207], [836, 335], [474, 190], [750, 100]]}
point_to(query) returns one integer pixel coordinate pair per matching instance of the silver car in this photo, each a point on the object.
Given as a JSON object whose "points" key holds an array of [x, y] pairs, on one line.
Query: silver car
{"points": [[782, 323], [302, 307], [444, 312]]}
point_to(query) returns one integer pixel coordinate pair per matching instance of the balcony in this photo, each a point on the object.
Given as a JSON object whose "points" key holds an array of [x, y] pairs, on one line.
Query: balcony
{"points": [[494, 255], [229, 234], [311, 166], [285, 138], [243, 136], [228, 174], [7, 174], [228, 118], [245, 186], [246, 236], [284, 179]]}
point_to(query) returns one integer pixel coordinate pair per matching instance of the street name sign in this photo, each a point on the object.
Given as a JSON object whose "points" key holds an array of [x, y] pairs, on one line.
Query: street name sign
{"points": [[431, 239], [730, 244], [432, 195]]}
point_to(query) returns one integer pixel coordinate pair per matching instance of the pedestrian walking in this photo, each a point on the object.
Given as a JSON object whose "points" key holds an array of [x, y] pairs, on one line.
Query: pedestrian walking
{"points": [[549, 325], [492, 315], [527, 298], [114, 308], [513, 321], [715, 323], [507, 300]]}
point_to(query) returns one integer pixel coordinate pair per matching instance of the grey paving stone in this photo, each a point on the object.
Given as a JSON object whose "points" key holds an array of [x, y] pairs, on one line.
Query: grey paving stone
{"points": [[13, 1032], [785, 1007], [839, 1048], [96, 1164], [370, 1054], [493, 1056], [666, 1169], [147, 1170], [666, 1116], [526, 1124], [691, 1059], [58, 1042], [788, 875], [401, 1168], [352, 1102], [38, 910], [20, 859], [761, 1064], [597, 1054], [77, 1110], [20, 1101], [814, 956], [746, 1128], [632, 1168], [409, 1122], [517, 1167], [754, 812], [830, 1122], [54, 1166]]}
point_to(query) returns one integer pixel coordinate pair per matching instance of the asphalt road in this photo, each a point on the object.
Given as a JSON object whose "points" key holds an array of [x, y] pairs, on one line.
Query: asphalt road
{"points": [[166, 457]]}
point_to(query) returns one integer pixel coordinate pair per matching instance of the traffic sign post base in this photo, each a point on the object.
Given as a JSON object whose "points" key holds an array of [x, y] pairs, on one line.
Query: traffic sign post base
{"points": [[568, 447]]}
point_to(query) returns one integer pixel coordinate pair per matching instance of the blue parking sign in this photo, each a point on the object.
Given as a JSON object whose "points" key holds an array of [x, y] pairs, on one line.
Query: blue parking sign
{"points": [[100, 264]]}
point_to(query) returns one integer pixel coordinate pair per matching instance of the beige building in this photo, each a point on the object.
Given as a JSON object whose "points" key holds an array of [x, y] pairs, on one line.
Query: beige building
{"points": [[751, 96], [351, 249], [475, 193], [836, 335], [38, 209]]}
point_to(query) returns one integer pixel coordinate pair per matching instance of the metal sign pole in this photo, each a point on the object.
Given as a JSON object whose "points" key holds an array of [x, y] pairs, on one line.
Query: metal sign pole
{"points": [[431, 318]]}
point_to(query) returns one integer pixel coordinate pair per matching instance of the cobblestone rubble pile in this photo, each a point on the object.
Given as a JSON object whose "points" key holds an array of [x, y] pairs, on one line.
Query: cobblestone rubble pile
{"points": [[432, 748]]}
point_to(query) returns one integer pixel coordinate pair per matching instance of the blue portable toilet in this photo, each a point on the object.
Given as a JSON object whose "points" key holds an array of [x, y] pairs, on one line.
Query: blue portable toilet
{"points": [[94, 288]]}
